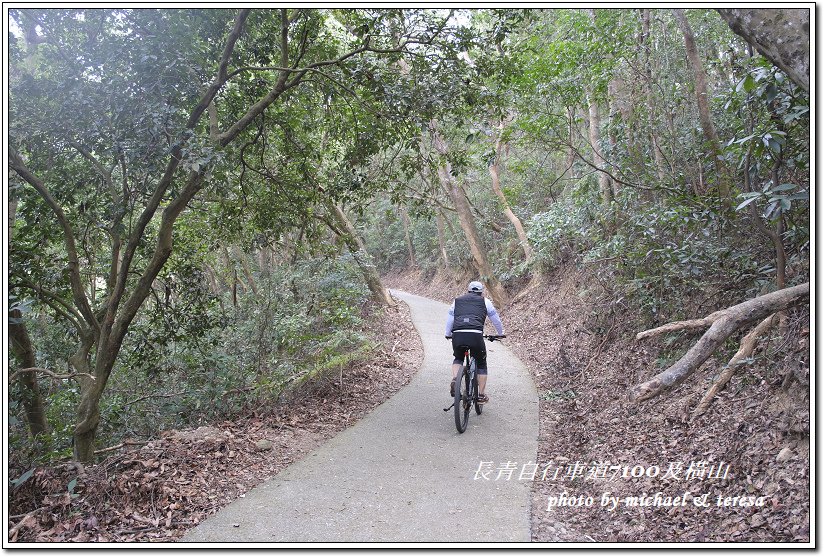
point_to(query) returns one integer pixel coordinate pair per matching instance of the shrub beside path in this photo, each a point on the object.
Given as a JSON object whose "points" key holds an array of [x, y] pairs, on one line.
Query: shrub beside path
{"points": [[403, 473]]}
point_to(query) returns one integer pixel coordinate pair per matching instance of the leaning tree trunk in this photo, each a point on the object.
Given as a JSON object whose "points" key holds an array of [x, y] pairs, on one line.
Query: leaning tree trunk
{"points": [[494, 172], [467, 221], [702, 99], [620, 103], [782, 35], [357, 248]]}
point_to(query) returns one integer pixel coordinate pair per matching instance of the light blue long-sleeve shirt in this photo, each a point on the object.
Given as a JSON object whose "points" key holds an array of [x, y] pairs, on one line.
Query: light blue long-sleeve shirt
{"points": [[491, 312]]}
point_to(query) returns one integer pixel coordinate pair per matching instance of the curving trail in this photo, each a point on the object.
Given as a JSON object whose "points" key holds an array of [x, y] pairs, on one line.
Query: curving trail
{"points": [[395, 476]]}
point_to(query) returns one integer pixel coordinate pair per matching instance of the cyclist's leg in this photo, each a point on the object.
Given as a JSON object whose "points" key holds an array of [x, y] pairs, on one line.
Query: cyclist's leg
{"points": [[457, 363]]}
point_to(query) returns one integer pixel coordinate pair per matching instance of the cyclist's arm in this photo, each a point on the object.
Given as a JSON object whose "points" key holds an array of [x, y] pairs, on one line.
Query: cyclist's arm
{"points": [[450, 320], [492, 313]]}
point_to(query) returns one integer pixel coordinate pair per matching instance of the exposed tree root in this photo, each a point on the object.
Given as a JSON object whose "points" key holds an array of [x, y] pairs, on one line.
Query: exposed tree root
{"points": [[748, 344], [598, 351], [535, 282], [721, 324]]}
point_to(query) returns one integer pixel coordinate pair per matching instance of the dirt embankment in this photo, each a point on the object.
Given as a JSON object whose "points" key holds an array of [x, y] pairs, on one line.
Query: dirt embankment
{"points": [[157, 491], [615, 471]]}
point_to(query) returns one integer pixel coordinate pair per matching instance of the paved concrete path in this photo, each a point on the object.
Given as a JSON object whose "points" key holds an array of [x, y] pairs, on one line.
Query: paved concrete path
{"points": [[403, 473]]}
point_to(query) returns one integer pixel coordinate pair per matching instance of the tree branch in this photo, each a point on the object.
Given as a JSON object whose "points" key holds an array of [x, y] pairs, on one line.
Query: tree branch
{"points": [[65, 309], [106, 174], [688, 325], [79, 294], [117, 198], [163, 248], [222, 72], [745, 350]]}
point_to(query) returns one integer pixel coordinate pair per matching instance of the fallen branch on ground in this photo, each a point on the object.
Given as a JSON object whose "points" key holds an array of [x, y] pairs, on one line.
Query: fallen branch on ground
{"points": [[120, 446], [745, 350], [146, 397], [43, 371], [721, 325], [24, 522]]}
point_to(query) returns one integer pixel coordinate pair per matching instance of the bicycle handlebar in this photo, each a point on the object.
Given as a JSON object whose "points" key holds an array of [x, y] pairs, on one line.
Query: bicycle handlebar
{"points": [[491, 338]]}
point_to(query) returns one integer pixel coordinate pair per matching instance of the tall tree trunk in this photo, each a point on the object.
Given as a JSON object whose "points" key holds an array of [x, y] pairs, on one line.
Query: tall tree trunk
{"points": [[441, 240], [88, 411], [604, 182], [571, 153], [357, 248], [494, 172], [613, 104], [652, 119], [214, 285], [23, 350], [21, 347], [247, 271], [231, 268], [598, 158], [408, 236], [702, 99], [467, 221], [265, 261]]}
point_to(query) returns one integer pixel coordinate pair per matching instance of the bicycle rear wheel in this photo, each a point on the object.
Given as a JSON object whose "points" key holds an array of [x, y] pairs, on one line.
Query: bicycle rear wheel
{"points": [[479, 408], [463, 401]]}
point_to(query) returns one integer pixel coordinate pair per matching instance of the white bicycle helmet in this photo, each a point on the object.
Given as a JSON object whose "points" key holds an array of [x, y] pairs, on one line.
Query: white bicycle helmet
{"points": [[475, 286]]}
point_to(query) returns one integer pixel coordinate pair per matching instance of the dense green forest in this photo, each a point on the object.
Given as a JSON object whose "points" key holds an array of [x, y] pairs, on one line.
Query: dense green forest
{"points": [[203, 204]]}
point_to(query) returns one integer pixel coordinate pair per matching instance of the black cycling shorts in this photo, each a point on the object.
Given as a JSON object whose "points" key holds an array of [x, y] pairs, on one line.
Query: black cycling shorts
{"points": [[475, 342]]}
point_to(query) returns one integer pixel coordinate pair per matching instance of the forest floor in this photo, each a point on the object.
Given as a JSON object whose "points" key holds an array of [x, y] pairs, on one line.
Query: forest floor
{"points": [[158, 491], [747, 458]]}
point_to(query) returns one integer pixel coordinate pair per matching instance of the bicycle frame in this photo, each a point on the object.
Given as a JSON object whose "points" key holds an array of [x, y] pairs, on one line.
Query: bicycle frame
{"points": [[471, 369], [466, 389]]}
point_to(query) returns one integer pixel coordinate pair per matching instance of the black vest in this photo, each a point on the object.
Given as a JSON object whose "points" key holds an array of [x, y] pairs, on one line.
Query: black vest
{"points": [[470, 313]]}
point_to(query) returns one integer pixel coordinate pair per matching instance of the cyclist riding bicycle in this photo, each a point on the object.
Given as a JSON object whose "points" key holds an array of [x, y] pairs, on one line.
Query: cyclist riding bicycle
{"points": [[465, 326]]}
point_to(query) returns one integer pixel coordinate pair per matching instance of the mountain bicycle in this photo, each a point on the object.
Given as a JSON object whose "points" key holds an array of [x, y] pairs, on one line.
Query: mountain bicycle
{"points": [[466, 389]]}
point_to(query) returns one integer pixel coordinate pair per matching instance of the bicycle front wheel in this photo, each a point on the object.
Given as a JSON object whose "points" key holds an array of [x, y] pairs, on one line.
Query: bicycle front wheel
{"points": [[463, 401]]}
